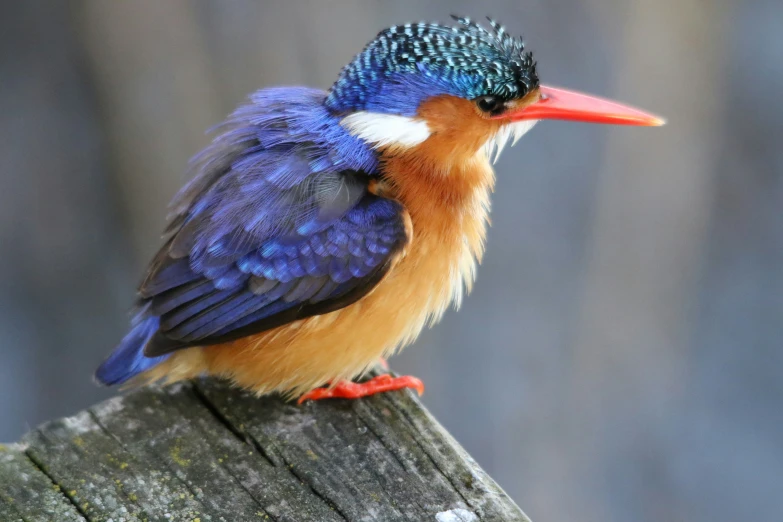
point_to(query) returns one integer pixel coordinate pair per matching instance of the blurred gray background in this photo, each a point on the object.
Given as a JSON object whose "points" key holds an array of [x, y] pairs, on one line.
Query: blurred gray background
{"points": [[621, 357]]}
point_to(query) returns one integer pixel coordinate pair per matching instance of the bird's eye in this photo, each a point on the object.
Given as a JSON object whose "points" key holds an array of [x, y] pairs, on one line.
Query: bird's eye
{"points": [[490, 104]]}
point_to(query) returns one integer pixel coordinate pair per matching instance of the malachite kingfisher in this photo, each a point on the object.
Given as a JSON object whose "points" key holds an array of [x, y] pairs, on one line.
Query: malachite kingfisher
{"points": [[322, 231]]}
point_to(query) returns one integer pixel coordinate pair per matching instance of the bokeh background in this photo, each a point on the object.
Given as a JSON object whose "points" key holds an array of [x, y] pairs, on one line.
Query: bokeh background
{"points": [[621, 357]]}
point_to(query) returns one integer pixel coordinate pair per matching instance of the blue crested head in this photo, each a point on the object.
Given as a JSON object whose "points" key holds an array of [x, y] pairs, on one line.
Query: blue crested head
{"points": [[406, 64]]}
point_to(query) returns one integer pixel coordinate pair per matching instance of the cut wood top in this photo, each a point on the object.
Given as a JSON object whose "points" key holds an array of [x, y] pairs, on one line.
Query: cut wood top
{"points": [[205, 452]]}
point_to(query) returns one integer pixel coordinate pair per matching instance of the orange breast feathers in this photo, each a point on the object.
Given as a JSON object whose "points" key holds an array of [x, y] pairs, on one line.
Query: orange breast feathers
{"points": [[444, 184]]}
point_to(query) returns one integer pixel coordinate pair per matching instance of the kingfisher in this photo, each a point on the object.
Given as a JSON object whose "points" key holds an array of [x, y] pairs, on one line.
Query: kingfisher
{"points": [[322, 231]]}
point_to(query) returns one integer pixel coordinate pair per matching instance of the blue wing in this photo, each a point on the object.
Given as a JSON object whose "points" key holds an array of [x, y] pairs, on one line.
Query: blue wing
{"points": [[277, 225], [212, 298]]}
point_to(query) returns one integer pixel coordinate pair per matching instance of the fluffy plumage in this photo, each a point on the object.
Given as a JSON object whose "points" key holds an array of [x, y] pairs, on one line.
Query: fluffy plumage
{"points": [[323, 230], [276, 225]]}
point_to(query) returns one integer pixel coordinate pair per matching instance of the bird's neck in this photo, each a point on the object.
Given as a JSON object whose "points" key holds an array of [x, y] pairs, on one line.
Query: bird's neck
{"points": [[433, 178], [447, 200]]}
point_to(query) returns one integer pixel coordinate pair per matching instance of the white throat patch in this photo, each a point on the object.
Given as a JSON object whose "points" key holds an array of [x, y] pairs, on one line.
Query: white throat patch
{"points": [[496, 144], [382, 130]]}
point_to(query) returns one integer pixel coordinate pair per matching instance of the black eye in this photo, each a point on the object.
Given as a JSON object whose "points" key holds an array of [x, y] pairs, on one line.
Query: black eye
{"points": [[490, 104]]}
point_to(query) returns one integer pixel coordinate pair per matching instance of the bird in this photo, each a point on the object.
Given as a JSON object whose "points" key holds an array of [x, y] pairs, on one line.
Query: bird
{"points": [[321, 231]]}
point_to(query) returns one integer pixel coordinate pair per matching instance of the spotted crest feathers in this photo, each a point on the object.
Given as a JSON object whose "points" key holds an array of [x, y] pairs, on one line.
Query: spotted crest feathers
{"points": [[466, 60]]}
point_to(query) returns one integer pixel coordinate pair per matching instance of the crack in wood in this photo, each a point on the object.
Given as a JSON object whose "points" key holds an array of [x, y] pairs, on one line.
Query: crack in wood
{"points": [[393, 454], [248, 439], [245, 439], [242, 436], [317, 493], [40, 466], [434, 461], [380, 439]]}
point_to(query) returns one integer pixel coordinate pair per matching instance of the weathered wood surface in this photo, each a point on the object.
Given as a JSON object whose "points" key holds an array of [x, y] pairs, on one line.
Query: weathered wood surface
{"points": [[203, 451]]}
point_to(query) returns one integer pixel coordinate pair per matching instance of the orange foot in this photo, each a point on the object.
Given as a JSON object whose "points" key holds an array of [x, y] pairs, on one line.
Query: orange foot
{"points": [[356, 390]]}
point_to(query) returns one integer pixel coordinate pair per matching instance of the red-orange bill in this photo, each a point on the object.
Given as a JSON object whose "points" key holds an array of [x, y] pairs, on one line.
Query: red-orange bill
{"points": [[562, 104]]}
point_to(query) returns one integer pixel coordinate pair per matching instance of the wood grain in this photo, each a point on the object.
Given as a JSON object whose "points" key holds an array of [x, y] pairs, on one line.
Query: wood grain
{"points": [[203, 451]]}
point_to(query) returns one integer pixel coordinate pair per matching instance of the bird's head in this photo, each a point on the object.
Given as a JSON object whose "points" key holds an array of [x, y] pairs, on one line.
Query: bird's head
{"points": [[461, 89]]}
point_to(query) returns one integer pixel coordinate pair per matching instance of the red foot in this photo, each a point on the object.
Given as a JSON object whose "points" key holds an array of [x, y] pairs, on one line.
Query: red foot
{"points": [[354, 390]]}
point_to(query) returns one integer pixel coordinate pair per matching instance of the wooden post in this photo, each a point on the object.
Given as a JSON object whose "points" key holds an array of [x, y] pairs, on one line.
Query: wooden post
{"points": [[203, 451]]}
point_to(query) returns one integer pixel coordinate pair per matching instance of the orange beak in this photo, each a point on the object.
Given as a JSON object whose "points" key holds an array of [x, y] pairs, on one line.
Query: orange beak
{"points": [[561, 104]]}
